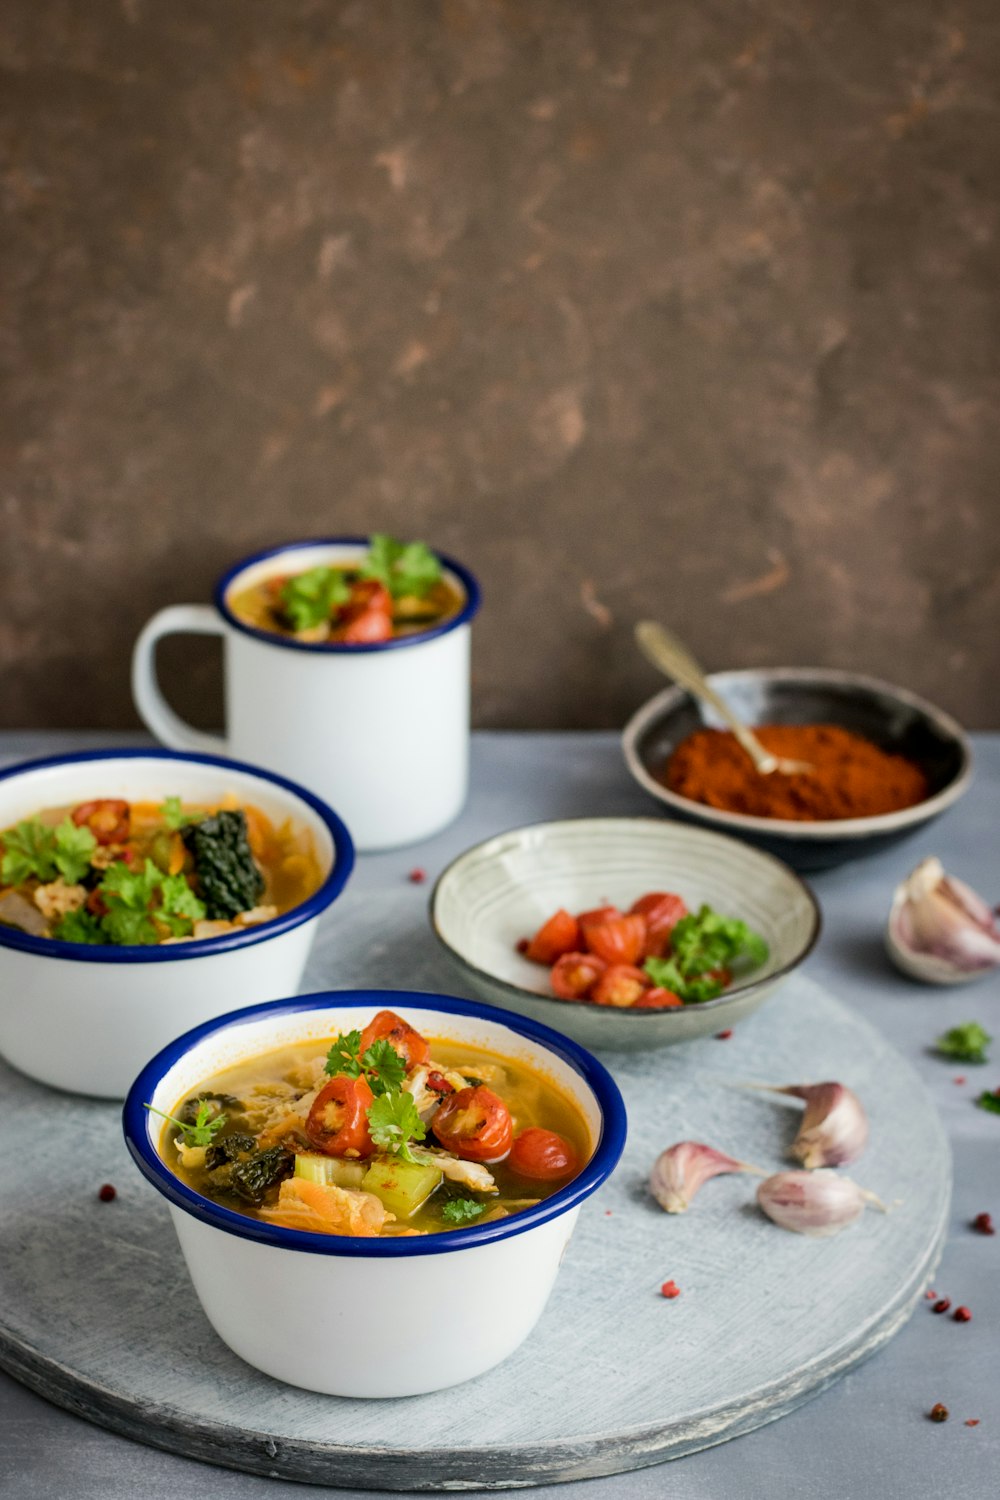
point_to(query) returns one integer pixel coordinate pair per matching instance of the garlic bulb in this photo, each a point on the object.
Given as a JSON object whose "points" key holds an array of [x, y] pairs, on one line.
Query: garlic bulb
{"points": [[940, 930], [681, 1170], [814, 1203]]}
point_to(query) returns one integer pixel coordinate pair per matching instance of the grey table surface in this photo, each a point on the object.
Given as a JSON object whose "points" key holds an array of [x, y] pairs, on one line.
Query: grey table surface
{"points": [[866, 1436]]}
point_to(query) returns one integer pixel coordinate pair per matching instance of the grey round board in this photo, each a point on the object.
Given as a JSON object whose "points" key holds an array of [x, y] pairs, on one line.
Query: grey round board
{"points": [[98, 1315]]}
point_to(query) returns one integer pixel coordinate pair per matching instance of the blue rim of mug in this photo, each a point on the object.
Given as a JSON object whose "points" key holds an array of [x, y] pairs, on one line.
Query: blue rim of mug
{"points": [[139, 1131], [469, 582], [260, 932]]}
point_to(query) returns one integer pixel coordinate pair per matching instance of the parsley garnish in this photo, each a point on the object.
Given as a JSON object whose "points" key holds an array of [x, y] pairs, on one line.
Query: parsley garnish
{"points": [[459, 1210], [36, 848], [205, 1128], [173, 814], [702, 942], [381, 1064], [393, 1122], [311, 597], [990, 1101], [405, 568], [966, 1043], [79, 926], [137, 900]]}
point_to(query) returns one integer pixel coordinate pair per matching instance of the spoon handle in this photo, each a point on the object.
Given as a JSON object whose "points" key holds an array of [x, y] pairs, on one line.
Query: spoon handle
{"points": [[666, 652]]}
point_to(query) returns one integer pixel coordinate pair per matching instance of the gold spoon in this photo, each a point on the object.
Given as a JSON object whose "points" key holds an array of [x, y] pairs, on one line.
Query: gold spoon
{"points": [[667, 653]]}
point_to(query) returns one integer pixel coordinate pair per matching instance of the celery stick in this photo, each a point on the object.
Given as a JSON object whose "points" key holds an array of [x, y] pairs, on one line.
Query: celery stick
{"points": [[402, 1186], [330, 1170]]}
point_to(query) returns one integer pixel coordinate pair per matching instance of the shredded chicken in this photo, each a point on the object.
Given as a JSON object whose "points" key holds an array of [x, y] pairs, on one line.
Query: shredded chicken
{"points": [[212, 929], [471, 1174], [57, 898], [254, 915]]}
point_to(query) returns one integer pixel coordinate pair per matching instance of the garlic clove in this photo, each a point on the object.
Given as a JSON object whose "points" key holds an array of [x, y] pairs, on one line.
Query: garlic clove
{"points": [[683, 1168], [940, 930], [819, 1204], [834, 1127]]}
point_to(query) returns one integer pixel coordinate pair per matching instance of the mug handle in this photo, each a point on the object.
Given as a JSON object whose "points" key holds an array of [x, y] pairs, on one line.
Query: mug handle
{"points": [[154, 710]]}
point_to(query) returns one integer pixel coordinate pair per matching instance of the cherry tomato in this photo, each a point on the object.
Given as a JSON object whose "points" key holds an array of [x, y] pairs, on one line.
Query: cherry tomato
{"points": [[723, 975], [620, 985], [108, 819], [657, 999], [389, 1027], [599, 914], [574, 974], [618, 940], [367, 616], [474, 1124], [559, 935], [662, 910], [542, 1154], [338, 1120]]}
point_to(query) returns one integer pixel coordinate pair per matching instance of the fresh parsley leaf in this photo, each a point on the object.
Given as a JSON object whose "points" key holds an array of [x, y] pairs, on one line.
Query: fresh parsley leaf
{"points": [[28, 849], [384, 1067], [79, 926], [128, 894], [990, 1101], [460, 1210], [405, 568], [174, 817], [666, 972], [343, 1055], [129, 929], [393, 1123], [179, 907], [206, 1123], [73, 849], [311, 597], [966, 1043], [705, 940]]}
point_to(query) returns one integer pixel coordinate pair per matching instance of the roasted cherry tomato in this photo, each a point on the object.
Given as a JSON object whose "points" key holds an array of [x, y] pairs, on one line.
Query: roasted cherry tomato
{"points": [[542, 1154], [108, 819], [474, 1124], [657, 999], [559, 935], [620, 985], [662, 911], [389, 1027], [618, 940], [367, 616], [574, 975], [338, 1120], [599, 914], [723, 975]]}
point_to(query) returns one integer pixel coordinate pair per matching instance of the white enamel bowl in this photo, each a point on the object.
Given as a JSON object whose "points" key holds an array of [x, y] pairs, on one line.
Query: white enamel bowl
{"points": [[504, 889], [372, 1317], [85, 1018]]}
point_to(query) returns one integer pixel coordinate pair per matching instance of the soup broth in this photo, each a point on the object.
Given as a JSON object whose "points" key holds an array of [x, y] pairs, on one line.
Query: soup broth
{"points": [[268, 1152]]}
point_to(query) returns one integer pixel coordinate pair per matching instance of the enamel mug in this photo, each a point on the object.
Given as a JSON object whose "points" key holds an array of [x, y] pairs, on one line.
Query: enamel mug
{"points": [[380, 730]]}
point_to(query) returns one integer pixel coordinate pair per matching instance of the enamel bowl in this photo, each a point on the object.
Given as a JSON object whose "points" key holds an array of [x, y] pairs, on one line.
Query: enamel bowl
{"points": [[893, 718], [85, 1018], [504, 889], [372, 1317]]}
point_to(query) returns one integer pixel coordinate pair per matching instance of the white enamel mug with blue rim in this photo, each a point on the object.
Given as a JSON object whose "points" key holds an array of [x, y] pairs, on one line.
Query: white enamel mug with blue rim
{"points": [[323, 1311], [379, 730], [86, 1017]]}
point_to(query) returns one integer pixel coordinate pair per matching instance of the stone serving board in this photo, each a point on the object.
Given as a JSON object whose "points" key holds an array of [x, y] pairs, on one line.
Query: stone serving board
{"points": [[98, 1315]]}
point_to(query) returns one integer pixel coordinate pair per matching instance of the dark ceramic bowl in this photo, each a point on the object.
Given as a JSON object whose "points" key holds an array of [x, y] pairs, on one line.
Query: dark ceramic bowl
{"points": [[890, 716]]}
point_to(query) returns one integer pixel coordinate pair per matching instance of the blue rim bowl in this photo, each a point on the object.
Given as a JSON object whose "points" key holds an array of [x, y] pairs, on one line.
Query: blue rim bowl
{"points": [[139, 1134], [469, 582], [324, 896]]}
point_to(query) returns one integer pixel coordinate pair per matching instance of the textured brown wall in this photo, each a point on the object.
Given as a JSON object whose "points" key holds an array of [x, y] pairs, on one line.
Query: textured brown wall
{"points": [[637, 306]]}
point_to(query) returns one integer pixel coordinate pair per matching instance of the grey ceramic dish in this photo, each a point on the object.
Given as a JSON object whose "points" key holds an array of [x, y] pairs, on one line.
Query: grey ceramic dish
{"points": [[505, 888], [890, 716]]}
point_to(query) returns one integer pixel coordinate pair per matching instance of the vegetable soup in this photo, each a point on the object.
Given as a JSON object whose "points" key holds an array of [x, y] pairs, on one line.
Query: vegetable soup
{"points": [[143, 873], [395, 589], [378, 1132]]}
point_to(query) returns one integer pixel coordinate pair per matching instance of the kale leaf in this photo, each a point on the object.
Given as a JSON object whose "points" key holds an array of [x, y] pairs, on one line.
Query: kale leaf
{"points": [[251, 1177], [228, 874]]}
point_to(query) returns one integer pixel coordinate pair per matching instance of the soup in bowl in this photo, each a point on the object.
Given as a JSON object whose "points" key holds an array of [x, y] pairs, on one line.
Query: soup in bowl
{"points": [[329, 1159], [139, 891]]}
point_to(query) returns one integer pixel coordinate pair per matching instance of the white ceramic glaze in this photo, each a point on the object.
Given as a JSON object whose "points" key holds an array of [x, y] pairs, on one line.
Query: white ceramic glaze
{"points": [[504, 889], [85, 1018], [379, 731], [324, 1311]]}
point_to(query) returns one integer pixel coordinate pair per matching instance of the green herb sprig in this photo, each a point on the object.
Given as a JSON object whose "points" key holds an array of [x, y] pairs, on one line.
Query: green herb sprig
{"points": [[311, 597], [405, 568], [34, 848], [965, 1043], [203, 1130], [393, 1123], [380, 1063], [990, 1101], [702, 942], [461, 1210]]}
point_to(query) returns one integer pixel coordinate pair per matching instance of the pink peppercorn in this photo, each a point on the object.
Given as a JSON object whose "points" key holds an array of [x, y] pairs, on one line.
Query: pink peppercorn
{"points": [[417, 876], [962, 1315], [942, 1306], [107, 1193]]}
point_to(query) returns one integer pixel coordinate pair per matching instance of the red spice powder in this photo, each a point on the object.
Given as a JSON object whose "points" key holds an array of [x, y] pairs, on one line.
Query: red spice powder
{"points": [[851, 777]]}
